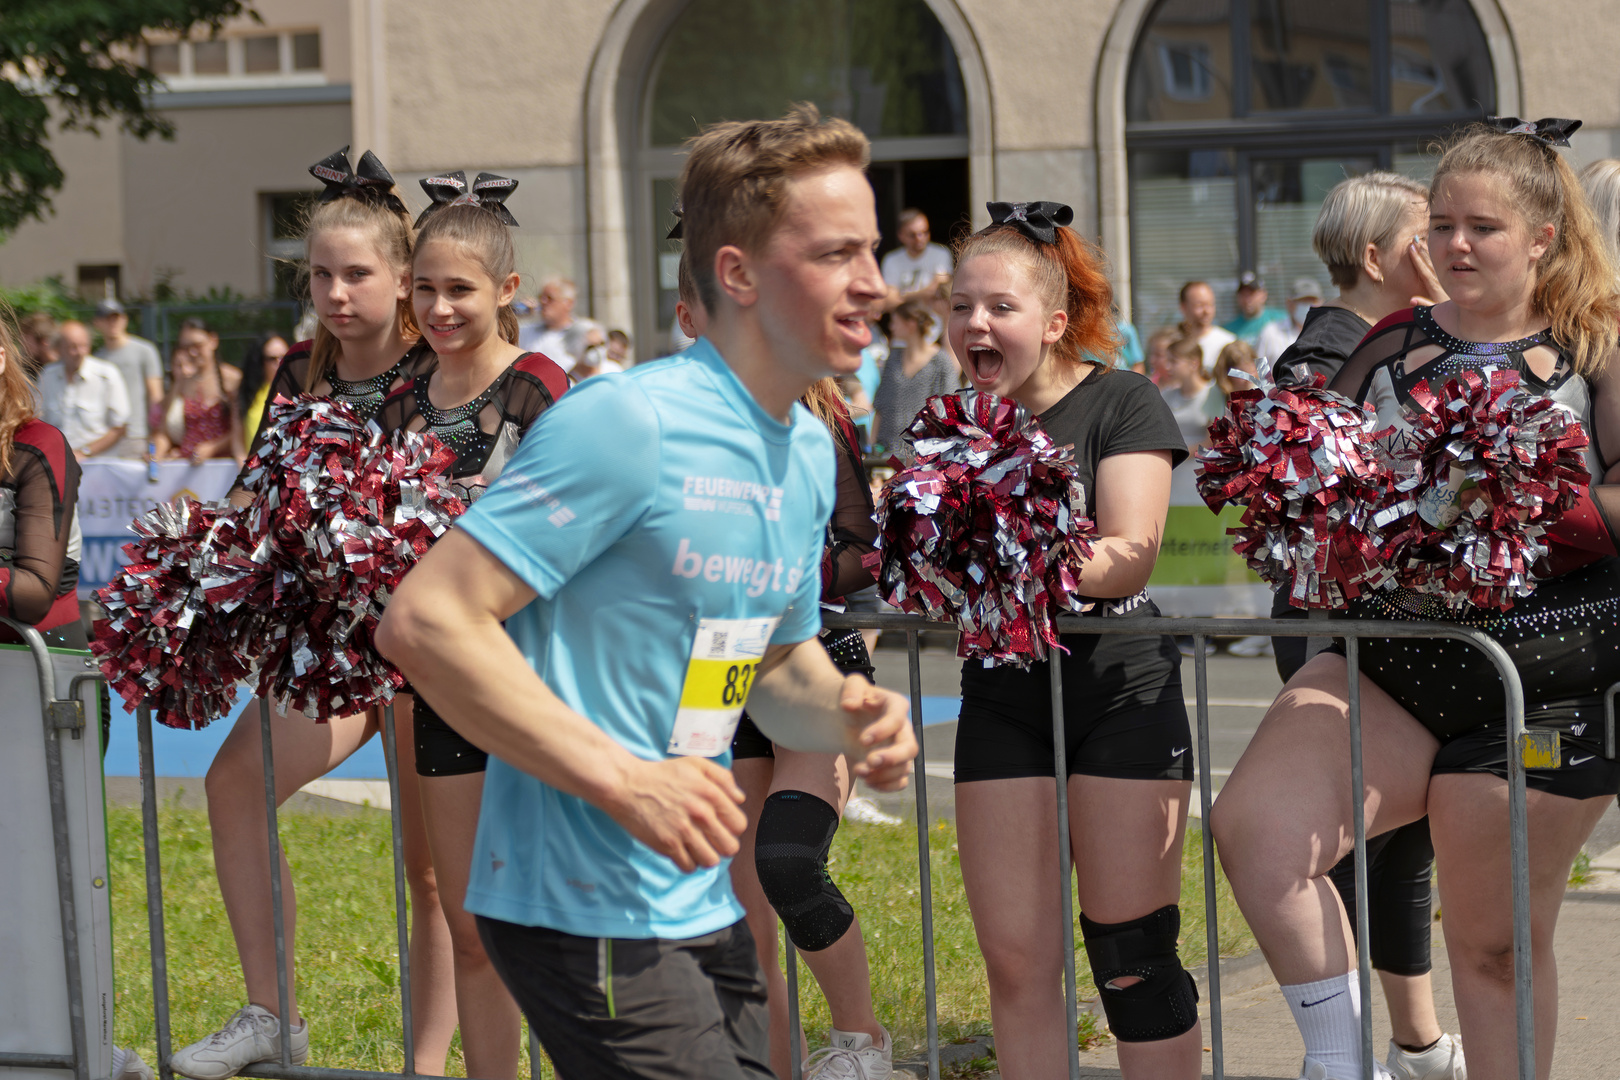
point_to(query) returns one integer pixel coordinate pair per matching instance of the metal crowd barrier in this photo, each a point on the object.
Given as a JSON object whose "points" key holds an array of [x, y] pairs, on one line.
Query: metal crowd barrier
{"points": [[1200, 629], [59, 715]]}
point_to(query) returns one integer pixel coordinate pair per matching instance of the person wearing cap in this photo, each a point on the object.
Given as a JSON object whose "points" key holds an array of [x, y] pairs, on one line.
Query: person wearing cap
{"points": [[1253, 316], [140, 366], [1278, 335]]}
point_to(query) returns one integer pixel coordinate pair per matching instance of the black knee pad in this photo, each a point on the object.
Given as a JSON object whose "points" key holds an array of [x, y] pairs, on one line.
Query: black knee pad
{"points": [[1165, 1003], [790, 853]]}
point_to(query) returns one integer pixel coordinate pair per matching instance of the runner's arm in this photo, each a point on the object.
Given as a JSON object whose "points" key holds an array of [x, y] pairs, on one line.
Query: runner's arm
{"points": [[443, 630], [801, 701]]}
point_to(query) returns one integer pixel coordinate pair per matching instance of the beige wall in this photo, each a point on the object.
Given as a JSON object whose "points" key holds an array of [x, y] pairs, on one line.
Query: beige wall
{"points": [[87, 226], [192, 205]]}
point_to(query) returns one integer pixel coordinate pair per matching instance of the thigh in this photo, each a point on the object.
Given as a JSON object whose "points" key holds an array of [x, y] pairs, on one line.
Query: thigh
{"points": [[1127, 837], [303, 749], [1007, 842], [1468, 820], [450, 809], [826, 776], [1299, 758]]}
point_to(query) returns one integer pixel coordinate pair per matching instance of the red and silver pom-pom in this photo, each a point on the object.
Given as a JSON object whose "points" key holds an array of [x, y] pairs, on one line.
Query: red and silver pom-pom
{"points": [[986, 528], [1305, 464], [184, 613], [345, 513], [1485, 470]]}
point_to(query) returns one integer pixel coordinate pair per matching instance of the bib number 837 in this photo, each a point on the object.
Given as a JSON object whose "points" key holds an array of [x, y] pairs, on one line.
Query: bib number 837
{"points": [[738, 679]]}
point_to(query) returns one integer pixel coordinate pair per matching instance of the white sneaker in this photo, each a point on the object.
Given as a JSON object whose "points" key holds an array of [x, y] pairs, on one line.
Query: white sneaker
{"points": [[852, 1056], [865, 811], [1252, 646], [1315, 1070], [127, 1065], [253, 1034], [1442, 1061]]}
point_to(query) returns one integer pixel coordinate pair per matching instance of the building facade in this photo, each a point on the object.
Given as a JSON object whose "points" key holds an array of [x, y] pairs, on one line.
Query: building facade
{"points": [[1194, 138]]}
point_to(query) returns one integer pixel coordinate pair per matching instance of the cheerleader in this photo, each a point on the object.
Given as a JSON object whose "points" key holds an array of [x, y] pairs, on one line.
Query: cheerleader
{"points": [[479, 398], [358, 245], [1029, 300], [1531, 289]]}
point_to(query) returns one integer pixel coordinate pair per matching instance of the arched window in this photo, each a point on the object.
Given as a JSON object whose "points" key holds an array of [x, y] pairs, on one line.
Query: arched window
{"points": [[1241, 114], [886, 65]]}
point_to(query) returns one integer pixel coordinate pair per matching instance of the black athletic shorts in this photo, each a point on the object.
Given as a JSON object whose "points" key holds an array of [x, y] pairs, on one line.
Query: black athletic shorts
{"points": [[441, 750], [612, 1008], [1564, 639], [848, 652], [1123, 712]]}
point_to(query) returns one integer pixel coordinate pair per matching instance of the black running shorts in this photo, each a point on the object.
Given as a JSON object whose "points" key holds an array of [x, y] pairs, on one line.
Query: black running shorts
{"points": [[647, 1009], [441, 750]]}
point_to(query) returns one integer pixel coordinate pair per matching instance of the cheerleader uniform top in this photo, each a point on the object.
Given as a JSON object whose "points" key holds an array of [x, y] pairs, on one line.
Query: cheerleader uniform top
{"points": [[1563, 637], [485, 431], [39, 538], [365, 397]]}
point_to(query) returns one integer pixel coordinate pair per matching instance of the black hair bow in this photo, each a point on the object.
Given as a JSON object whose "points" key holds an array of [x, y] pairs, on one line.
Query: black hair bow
{"points": [[1548, 131], [371, 181], [488, 190], [1037, 220]]}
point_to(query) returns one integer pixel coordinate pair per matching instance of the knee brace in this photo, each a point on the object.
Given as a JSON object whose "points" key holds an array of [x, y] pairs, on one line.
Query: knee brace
{"points": [[1165, 1003], [790, 853]]}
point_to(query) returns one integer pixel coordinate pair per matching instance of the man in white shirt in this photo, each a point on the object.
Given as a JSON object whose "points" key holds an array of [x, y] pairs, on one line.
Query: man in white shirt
{"points": [[558, 335], [83, 397], [1277, 336], [137, 361], [1198, 321], [915, 269]]}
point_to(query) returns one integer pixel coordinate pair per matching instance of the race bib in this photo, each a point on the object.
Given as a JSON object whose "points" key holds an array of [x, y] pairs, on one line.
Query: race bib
{"points": [[725, 655]]}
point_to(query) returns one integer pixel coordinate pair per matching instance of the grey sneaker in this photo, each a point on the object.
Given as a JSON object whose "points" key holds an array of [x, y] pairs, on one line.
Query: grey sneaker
{"points": [[127, 1065], [1315, 1070], [1442, 1061], [852, 1056], [253, 1034]]}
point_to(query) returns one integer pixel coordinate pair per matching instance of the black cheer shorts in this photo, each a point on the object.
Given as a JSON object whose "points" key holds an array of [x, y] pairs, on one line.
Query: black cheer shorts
{"points": [[1123, 713], [848, 652], [1564, 639], [440, 749]]}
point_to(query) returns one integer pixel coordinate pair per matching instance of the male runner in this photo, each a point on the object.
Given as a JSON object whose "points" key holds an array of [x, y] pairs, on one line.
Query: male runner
{"points": [[650, 589]]}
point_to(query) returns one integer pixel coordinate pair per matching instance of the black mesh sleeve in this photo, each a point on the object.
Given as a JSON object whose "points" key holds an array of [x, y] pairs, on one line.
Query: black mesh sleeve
{"points": [[852, 531], [44, 523], [1385, 343], [288, 382]]}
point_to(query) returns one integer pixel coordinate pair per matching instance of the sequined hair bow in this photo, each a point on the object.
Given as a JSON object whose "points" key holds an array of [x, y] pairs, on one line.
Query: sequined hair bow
{"points": [[451, 189], [370, 182], [1548, 131], [1037, 220]]}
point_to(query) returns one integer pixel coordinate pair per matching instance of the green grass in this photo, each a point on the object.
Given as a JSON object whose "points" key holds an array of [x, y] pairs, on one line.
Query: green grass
{"points": [[347, 951]]}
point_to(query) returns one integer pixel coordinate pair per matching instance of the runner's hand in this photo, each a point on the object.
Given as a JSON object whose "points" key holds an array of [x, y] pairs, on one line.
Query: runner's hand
{"points": [[881, 742], [684, 808]]}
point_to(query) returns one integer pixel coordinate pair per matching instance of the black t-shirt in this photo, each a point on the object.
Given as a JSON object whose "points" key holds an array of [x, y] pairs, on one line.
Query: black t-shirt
{"points": [[1111, 412], [1325, 342]]}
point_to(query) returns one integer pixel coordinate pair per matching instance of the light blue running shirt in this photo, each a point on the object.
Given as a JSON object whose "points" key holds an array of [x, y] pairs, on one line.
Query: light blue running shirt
{"points": [[667, 523]]}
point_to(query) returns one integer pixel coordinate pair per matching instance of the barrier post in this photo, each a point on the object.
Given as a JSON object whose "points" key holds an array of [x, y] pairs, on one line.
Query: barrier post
{"points": [[1519, 859], [795, 1034], [1358, 804], [1060, 768], [1206, 799], [925, 875], [154, 892], [275, 880], [391, 760]]}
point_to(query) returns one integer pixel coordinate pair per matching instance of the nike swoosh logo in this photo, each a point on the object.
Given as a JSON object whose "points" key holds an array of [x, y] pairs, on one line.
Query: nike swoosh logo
{"points": [[1578, 760], [1178, 751], [1330, 997]]}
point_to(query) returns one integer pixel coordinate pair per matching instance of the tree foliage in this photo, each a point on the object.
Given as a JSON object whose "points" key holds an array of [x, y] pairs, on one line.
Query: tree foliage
{"points": [[83, 56]]}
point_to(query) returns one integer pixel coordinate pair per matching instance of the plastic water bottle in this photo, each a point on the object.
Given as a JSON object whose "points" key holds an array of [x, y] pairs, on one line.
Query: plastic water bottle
{"points": [[151, 462]]}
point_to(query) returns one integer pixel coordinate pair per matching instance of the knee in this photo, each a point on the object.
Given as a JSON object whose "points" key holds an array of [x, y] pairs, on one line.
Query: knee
{"points": [[234, 779], [424, 887], [790, 855], [1146, 994], [1493, 964], [1018, 965]]}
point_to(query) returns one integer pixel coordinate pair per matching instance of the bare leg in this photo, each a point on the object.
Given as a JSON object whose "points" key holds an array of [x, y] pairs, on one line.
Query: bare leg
{"points": [[1126, 836], [1007, 838], [1469, 819], [754, 777], [433, 988], [490, 1022], [1410, 999], [1299, 759], [841, 968], [304, 751]]}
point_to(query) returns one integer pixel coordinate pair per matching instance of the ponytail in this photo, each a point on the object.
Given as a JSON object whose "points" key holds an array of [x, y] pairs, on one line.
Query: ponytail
{"points": [[1071, 276]]}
